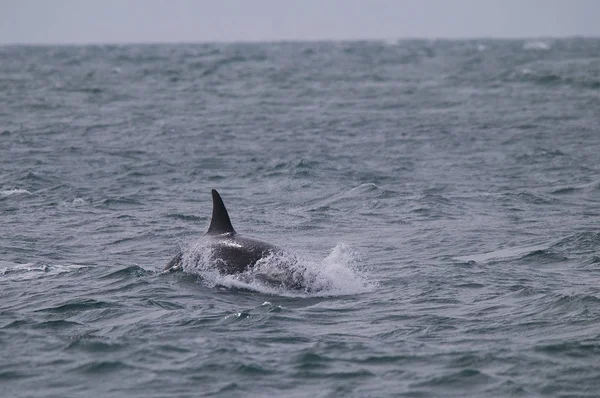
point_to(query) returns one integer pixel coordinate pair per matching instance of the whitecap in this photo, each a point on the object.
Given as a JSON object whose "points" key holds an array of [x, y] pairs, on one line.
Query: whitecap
{"points": [[78, 202], [536, 45], [16, 191]]}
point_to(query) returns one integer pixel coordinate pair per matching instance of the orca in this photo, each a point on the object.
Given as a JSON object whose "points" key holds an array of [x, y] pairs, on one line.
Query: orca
{"points": [[231, 252]]}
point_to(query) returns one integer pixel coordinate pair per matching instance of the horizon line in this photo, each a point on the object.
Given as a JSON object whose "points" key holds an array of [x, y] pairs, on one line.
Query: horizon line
{"points": [[281, 41]]}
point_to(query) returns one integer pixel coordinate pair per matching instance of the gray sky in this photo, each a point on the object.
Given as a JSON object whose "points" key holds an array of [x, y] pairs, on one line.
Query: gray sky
{"points": [[133, 21]]}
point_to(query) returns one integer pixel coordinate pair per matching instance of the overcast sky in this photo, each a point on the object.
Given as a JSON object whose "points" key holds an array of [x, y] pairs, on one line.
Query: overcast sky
{"points": [[134, 21]]}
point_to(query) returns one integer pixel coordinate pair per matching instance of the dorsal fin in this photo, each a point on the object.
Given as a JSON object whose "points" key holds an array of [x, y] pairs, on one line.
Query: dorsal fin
{"points": [[220, 223]]}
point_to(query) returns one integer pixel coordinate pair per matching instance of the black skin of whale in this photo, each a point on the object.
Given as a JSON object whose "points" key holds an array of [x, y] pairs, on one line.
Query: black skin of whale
{"points": [[232, 252]]}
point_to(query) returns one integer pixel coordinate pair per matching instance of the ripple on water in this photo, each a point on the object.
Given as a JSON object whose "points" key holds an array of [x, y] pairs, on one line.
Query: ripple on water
{"points": [[102, 367], [466, 195], [77, 306]]}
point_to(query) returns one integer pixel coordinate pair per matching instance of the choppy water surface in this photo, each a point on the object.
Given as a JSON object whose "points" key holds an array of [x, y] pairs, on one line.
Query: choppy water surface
{"points": [[443, 196]]}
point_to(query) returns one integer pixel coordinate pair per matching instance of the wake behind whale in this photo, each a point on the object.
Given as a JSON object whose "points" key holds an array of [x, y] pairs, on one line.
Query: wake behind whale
{"points": [[224, 257]]}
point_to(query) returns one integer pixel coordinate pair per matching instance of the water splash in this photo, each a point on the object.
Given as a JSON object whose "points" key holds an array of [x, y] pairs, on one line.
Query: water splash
{"points": [[284, 273]]}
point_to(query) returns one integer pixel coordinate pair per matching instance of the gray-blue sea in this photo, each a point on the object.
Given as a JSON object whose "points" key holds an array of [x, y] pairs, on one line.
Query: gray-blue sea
{"points": [[442, 198]]}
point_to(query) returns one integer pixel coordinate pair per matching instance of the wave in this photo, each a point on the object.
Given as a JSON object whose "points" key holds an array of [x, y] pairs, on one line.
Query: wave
{"points": [[27, 271], [571, 72], [582, 244], [508, 253], [570, 189], [127, 272], [16, 191], [537, 45]]}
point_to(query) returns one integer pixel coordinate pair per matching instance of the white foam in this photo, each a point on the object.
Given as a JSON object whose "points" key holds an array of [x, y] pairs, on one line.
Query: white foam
{"points": [[536, 45], [27, 271], [284, 274], [16, 191], [78, 202]]}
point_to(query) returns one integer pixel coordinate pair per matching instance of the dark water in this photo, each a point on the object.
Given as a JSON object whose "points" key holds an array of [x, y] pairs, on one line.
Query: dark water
{"points": [[443, 195]]}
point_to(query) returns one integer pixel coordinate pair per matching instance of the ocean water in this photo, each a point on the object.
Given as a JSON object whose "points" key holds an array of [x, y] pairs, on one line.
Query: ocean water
{"points": [[443, 197]]}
